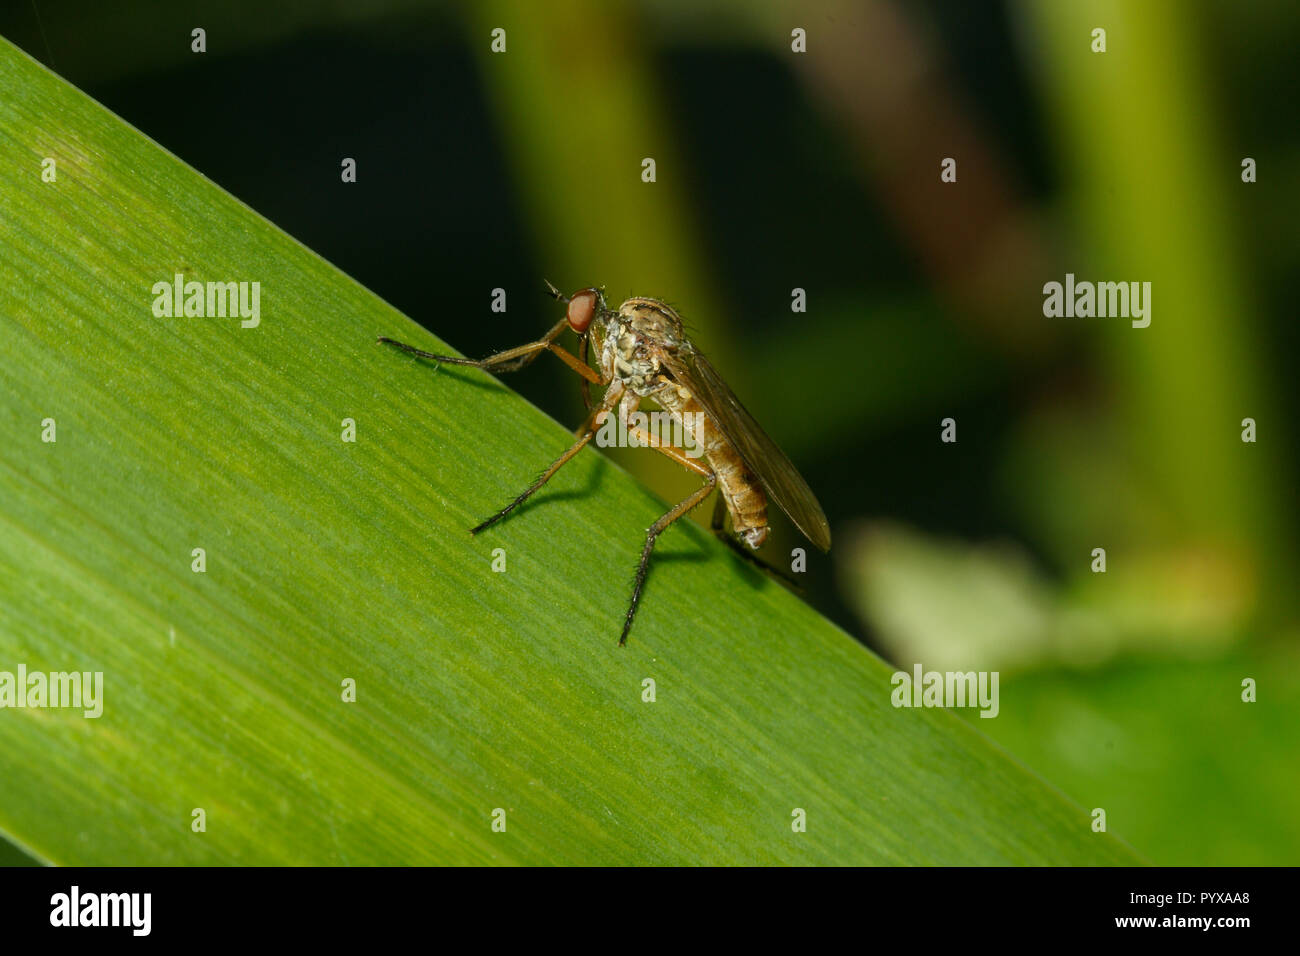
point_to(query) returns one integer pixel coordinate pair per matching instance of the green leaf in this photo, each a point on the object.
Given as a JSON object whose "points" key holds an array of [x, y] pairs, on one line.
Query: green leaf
{"points": [[329, 561], [1173, 748]]}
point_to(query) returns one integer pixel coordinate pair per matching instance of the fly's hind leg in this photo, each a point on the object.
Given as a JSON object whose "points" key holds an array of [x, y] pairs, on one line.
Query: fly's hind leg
{"points": [[719, 528], [718, 524], [653, 532]]}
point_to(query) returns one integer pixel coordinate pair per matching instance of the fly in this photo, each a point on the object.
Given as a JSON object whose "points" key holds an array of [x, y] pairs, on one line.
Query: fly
{"points": [[642, 352]]}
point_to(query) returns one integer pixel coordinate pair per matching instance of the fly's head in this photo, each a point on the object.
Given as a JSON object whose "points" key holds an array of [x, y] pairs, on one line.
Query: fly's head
{"points": [[584, 306], [635, 337]]}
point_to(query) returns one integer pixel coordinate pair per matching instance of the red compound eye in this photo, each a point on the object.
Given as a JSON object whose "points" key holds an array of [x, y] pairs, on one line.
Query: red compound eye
{"points": [[582, 309]]}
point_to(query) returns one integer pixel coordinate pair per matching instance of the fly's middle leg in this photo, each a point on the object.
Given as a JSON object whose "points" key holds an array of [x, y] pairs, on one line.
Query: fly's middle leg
{"points": [[585, 433]]}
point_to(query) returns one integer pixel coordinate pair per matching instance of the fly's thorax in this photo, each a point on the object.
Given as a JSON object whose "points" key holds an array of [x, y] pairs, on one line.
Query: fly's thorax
{"points": [[635, 337]]}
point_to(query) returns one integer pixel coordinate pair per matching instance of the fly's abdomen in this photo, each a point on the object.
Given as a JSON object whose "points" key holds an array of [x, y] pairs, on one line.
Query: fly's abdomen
{"points": [[739, 488]]}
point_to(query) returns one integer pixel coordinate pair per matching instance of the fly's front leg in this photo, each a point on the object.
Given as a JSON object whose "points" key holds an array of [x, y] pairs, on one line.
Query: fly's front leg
{"points": [[586, 383], [508, 361], [511, 360]]}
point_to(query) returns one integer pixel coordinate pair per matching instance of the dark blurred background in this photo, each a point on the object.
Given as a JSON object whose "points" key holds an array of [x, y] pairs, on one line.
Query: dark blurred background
{"points": [[820, 170]]}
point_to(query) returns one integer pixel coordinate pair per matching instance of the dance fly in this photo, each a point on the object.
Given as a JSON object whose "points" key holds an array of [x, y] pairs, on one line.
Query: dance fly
{"points": [[643, 352]]}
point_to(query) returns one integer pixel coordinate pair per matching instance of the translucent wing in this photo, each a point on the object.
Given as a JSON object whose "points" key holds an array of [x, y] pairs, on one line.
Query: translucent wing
{"points": [[775, 472]]}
